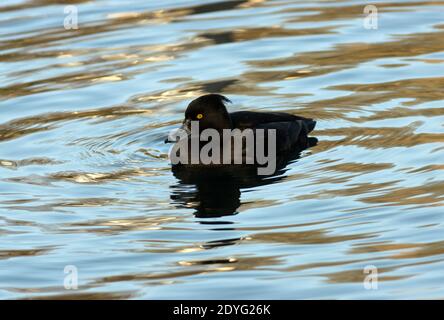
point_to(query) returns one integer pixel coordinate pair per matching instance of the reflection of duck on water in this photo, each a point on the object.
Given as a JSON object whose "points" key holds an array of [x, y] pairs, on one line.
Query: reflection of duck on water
{"points": [[215, 192], [217, 187]]}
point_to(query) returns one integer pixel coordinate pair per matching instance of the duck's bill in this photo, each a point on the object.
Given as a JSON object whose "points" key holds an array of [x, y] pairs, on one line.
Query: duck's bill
{"points": [[181, 133]]}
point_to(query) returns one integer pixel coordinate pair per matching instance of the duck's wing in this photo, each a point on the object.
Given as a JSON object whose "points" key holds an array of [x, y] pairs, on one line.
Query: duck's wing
{"points": [[251, 119], [289, 134]]}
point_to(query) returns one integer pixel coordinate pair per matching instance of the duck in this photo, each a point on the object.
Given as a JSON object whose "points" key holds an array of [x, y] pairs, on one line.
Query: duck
{"points": [[215, 191], [210, 112]]}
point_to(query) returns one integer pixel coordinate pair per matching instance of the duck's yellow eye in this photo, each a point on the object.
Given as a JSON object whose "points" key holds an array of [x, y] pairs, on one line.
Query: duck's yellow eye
{"points": [[199, 116]]}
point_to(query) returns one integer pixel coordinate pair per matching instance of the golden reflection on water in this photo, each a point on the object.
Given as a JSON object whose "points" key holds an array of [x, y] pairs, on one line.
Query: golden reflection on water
{"points": [[8, 254], [84, 172]]}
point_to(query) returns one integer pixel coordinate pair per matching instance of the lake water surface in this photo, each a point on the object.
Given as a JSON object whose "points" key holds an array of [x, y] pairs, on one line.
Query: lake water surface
{"points": [[85, 179]]}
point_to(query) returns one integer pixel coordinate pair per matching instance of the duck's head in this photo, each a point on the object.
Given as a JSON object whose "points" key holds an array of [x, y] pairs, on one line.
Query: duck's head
{"points": [[210, 111]]}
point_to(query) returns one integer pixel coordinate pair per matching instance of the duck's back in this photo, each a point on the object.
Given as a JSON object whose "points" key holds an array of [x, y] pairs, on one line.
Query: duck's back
{"points": [[291, 130]]}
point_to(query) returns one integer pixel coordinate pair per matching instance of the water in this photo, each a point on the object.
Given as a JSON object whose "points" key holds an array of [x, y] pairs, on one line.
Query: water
{"points": [[84, 175]]}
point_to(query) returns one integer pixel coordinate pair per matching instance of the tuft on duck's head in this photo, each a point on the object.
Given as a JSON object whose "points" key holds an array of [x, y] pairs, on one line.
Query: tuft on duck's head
{"points": [[210, 111]]}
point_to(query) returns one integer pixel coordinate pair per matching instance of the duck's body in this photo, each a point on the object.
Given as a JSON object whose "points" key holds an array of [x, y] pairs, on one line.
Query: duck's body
{"points": [[291, 131], [209, 112]]}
